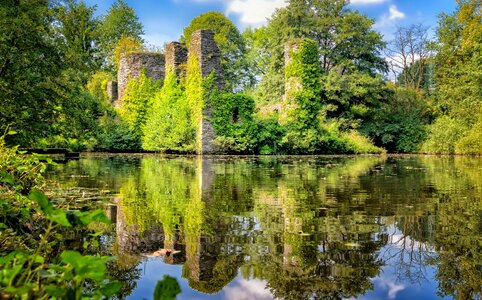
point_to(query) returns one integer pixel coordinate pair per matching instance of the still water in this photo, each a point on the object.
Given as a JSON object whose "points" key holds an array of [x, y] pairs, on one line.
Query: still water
{"points": [[366, 227]]}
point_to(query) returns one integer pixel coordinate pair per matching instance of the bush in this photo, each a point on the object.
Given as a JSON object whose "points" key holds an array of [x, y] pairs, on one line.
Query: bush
{"points": [[116, 136], [170, 125], [399, 124], [443, 136], [471, 143], [32, 264], [137, 102]]}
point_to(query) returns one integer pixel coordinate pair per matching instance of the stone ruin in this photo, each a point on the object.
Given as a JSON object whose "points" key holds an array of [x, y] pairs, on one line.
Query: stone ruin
{"points": [[203, 46], [131, 66], [293, 84]]}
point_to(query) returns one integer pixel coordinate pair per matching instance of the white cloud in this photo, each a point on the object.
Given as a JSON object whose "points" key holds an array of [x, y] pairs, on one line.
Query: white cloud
{"points": [[253, 12], [361, 2], [388, 20], [391, 287], [395, 14], [247, 290]]}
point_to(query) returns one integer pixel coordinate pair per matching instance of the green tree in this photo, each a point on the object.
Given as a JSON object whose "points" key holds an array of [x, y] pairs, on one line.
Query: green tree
{"points": [[78, 30], [345, 38], [30, 67], [170, 126], [399, 124], [120, 21], [137, 102], [231, 44], [458, 59]]}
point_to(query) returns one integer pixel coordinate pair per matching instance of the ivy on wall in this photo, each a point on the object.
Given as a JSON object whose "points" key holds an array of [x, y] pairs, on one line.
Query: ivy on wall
{"points": [[169, 126], [194, 95], [137, 102], [232, 120], [302, 104]]}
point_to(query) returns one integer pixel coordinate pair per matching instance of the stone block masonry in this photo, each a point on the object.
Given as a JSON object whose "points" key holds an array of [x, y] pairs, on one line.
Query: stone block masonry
{"points": [[132, 64], [205, 49], [176, 58], [112, 92], [293, 84]]}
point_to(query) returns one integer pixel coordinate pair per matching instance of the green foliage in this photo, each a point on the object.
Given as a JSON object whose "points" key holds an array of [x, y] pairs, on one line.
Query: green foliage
{"points": [[443, 135], [97, 85], [30, 68], [269, 135], [116, 136], [137, 102], [119, 22], [195, 94], [30, 267], [231, 44], [471, 143], [232, 120], [352, 97], [170, 125], [458, 60], [78, 28], [167, 289], [399, 123], [302, 103], [345, 39]]}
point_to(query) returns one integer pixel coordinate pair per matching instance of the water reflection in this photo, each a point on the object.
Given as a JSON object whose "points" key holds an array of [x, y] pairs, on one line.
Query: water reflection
{"points": [[304, 227]]}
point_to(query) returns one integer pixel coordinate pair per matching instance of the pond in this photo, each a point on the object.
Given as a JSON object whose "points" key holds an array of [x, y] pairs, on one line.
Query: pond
{"points": [[328, 227]]}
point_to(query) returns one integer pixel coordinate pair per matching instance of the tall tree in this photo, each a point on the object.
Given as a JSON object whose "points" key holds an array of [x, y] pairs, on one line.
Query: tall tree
{"points": [[459, 82], [77, 27], [345, 39], [231, 44], [30, 64], [120, 21], [409, 53]]}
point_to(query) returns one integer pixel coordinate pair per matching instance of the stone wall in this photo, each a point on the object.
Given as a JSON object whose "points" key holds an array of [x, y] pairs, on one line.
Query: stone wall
{"points": [[292, 85], [176, 58], [205, 49], [132, 64], [112, 92]]}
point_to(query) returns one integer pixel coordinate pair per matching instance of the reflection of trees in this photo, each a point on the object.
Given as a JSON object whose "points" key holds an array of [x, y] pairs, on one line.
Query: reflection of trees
{"points": [[316, 245], [458, 238], [311, 227], [207, 205]]}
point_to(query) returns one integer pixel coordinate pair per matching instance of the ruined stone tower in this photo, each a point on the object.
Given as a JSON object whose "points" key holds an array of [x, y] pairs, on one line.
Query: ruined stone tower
{"points": [[205, 49], [176, 58], [293, 84], [132, 64]]}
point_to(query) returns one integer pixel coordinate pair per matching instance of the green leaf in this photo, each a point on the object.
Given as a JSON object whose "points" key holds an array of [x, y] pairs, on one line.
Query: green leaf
{"points": [[71, 257], [42, 201], [11, 132], [7, 178], [95, 216], [59, 217]]}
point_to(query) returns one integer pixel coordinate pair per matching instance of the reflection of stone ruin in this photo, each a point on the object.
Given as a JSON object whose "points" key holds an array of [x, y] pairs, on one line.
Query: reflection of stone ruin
{"points": [[155, 66], [131, 240]]}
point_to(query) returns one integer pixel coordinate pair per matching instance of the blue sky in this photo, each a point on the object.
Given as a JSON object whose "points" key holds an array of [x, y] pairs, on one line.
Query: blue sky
{"points": [[164, 20]]}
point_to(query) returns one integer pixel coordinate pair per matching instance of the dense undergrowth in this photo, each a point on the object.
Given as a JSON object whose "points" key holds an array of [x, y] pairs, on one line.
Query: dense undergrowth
{"points": [[36, 238]]}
